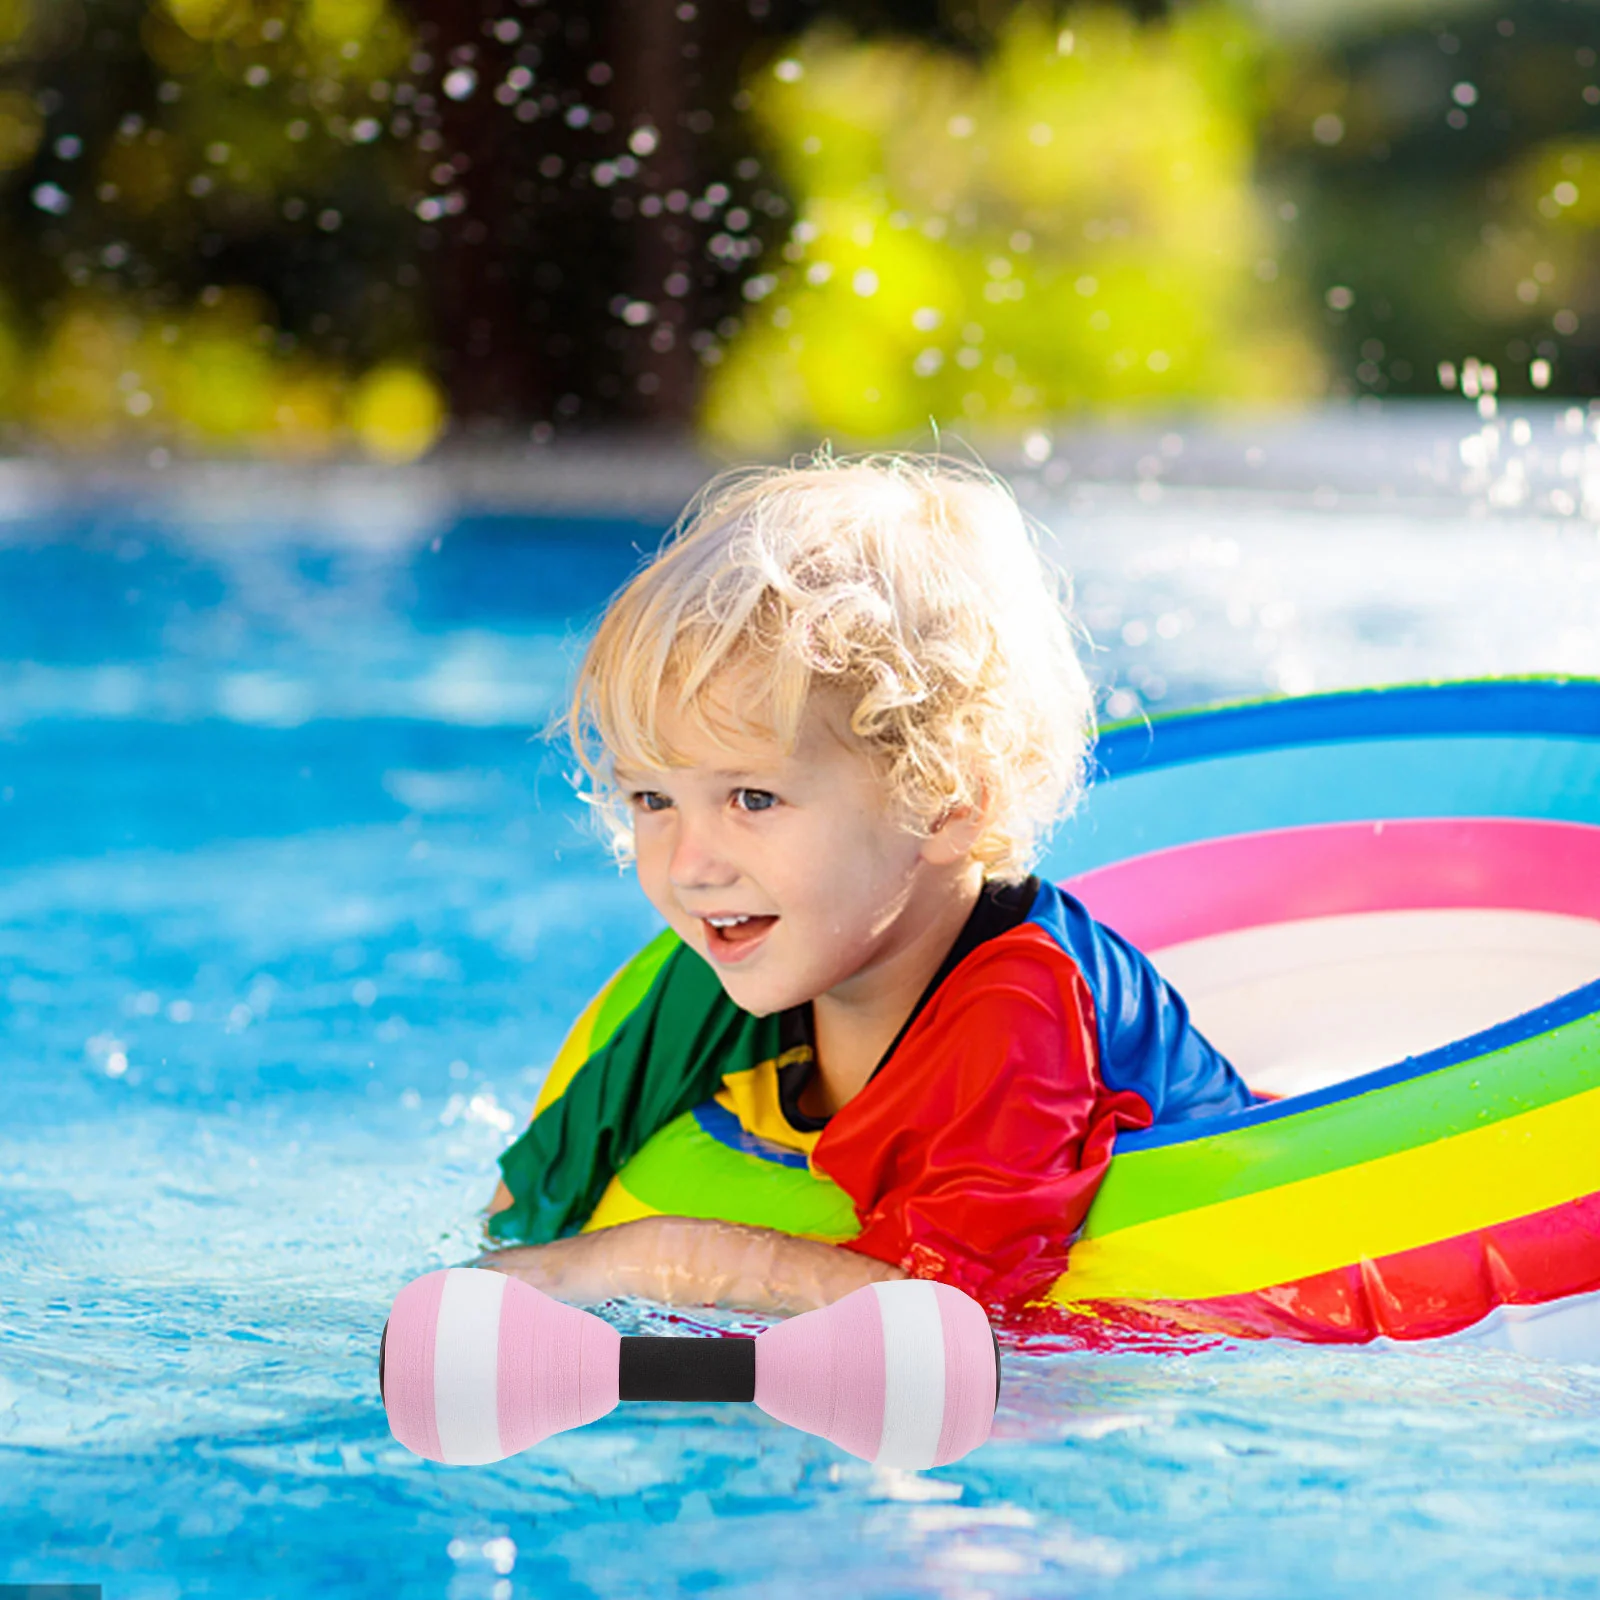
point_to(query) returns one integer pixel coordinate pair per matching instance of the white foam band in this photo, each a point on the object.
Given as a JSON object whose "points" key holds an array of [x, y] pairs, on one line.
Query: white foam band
{"points": [[913, 1357], [466, 1360]]}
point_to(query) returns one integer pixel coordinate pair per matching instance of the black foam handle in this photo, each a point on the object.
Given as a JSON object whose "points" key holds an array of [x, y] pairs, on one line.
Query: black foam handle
{"points": [[687, 1369]]}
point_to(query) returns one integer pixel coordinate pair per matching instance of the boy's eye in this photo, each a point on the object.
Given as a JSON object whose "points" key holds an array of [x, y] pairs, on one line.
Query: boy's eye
{"points": [[754, 799], [649, 800]]}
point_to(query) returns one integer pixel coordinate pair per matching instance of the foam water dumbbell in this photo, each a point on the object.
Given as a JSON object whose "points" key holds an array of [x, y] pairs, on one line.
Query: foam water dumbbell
{"points": [[474, 1366]]}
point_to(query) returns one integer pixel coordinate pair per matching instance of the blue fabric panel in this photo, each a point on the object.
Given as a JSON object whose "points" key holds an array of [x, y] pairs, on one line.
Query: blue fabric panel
{"points": [[1147, 1042], [725, 1128]]}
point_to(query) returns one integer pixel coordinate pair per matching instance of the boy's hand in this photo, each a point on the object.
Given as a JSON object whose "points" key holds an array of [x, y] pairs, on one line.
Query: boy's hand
{"points": [[692, 1261]]}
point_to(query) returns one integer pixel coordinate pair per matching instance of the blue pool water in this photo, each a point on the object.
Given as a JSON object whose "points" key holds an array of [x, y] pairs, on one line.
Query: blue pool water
{"points": [[293, 913]]}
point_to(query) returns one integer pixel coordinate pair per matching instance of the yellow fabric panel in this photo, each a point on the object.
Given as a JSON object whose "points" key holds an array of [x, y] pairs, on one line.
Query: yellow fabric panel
{"points": [[574, 1049], [616, 1205], [752, 1096], [1494, 1174]]}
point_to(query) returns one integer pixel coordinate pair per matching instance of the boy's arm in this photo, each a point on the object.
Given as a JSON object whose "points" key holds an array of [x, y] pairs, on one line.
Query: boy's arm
{"points": [[693, 1261]]}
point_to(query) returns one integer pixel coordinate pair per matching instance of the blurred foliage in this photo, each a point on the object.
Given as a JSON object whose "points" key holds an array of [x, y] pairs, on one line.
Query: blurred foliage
{"points": [[1068, 223], [1443, 174], [205, 225], [298, 227]]}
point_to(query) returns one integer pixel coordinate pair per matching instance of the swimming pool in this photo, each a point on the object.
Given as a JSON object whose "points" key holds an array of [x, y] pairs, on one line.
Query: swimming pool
{"points": [[292, 916]]}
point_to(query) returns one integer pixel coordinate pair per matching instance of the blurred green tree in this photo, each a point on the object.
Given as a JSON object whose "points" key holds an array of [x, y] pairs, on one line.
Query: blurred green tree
{"points": [[1442, 176], [299, 226], [1068, 222]]}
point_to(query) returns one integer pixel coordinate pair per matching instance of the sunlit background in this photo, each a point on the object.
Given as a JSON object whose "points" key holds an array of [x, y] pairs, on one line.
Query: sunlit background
{"points": [[303, 228]]}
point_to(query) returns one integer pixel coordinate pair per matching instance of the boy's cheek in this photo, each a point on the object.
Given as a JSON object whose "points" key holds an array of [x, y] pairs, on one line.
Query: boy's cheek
{"points": [[663, 903]]}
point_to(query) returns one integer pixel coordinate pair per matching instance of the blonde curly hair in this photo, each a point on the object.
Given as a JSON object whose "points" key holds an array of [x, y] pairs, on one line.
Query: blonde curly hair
{"points": [[912, 584]]}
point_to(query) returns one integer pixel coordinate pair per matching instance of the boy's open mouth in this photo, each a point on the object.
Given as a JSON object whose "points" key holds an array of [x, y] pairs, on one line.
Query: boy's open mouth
{"points": [[726, 932]]}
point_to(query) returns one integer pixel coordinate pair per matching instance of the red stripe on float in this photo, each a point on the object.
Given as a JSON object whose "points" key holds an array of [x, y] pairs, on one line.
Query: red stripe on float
{"points": [[1415, 1294]]}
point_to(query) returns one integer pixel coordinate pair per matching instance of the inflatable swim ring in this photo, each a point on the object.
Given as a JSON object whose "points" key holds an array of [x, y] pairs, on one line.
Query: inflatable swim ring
{"points": [[1384, 907]]}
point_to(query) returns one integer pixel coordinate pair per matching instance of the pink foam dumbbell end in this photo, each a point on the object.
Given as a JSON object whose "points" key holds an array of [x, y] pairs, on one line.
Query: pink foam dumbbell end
{"points": [[903, 1374], [476, 1365]]}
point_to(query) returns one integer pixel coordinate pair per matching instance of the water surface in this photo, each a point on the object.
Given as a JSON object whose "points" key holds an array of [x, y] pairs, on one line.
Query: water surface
{"points": [[293, 914]]}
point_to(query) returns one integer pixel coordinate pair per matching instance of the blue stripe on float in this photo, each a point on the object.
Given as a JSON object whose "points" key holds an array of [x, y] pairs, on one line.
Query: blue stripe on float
{"points": [[1559, 1013], [1518, 707], [727, 1129], [1556, 779]]}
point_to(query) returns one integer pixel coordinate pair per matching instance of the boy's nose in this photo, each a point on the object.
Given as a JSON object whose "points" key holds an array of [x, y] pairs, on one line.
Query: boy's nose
{"points": [[696, 862]]}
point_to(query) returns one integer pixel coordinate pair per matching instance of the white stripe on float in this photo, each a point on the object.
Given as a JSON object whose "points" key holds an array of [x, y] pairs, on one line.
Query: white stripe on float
{"points": [[466, 1360], [1297, 1006], [913, 1378], [1556, 1330]]}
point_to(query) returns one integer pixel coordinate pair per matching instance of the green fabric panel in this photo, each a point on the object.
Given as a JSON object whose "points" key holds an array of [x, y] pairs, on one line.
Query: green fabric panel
{"points": [[632, 985], [687, 1172], [668, 1054], [1143, 1185]]}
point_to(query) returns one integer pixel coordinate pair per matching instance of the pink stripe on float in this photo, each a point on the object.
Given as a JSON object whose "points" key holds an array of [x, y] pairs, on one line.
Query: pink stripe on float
{"points": [[408, 1365], [969, 1377], [1252, 880]]}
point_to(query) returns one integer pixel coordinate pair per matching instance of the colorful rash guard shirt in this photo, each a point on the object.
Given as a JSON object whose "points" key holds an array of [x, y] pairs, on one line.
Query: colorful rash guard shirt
{"points": [[974, 1150]]}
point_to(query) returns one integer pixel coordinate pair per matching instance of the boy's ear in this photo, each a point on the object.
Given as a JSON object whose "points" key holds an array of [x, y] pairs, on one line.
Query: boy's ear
{"points": [[954, 835]]}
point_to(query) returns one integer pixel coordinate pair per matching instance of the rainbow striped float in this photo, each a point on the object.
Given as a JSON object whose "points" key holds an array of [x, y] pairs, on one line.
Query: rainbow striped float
{"points": [[1384, 907]]}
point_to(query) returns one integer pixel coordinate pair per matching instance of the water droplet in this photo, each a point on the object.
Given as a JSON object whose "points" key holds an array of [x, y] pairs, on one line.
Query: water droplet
{"points": [[53, 198]]}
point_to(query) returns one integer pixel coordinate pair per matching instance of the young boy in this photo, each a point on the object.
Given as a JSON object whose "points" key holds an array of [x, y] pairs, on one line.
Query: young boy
{"points": [[831, 723]]}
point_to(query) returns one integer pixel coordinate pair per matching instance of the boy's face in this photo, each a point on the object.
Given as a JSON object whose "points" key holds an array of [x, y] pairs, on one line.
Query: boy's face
{"points": [[829, 885]]}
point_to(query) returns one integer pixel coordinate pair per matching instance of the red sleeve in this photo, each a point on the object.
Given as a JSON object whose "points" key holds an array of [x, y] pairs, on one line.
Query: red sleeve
{"points": [[972, 1157]]}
